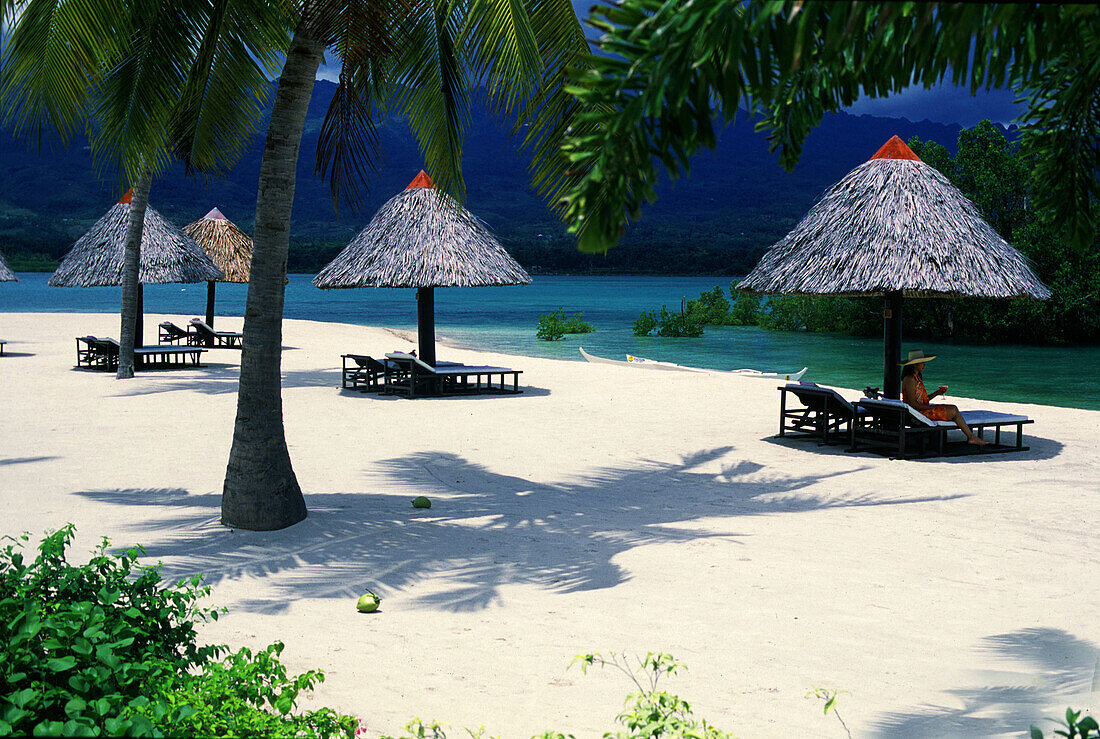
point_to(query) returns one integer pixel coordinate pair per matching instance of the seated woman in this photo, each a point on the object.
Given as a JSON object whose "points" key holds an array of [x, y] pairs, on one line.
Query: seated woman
{"points": [[914, 394]]}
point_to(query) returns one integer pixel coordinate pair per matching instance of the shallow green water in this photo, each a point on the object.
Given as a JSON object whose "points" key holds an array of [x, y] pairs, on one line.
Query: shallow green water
{"points": [[503, 319]]}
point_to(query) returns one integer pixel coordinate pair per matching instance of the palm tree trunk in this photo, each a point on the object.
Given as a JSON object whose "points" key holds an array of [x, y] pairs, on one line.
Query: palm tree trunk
{"points": [[261, 492], [131, 265]]}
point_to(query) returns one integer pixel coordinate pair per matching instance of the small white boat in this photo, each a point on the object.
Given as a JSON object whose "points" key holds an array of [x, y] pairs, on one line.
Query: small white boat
{"points": [[644, 363]]}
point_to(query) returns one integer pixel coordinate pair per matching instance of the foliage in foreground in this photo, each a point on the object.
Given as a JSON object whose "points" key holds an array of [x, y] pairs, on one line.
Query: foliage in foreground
{"points": [[554, 325], [1074, 726], [105, 649], [649, 713]]}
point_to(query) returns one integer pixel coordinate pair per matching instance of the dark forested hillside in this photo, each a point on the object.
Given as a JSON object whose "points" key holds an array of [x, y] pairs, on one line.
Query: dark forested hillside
{"points": [[736, 202]]}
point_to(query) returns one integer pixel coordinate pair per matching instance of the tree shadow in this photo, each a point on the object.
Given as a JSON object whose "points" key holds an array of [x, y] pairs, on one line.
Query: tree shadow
{"points": [[485, 530], [24, 460], [1066, 664]]}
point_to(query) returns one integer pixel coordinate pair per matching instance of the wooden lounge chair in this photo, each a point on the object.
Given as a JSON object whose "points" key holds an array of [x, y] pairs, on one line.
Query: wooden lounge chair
{"points": [[824, 413], [900, 430], [102, 354], [409, 376], [97, 354], [363, 373], [170, 333], [206, 336]]}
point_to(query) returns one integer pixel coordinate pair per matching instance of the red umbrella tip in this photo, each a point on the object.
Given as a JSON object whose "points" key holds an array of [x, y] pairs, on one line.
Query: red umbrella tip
{"points": [[127, 197], [421, 180], [215, 215], [895, 148]]}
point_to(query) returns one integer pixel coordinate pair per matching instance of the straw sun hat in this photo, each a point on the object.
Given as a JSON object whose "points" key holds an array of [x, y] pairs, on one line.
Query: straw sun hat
{"points": [[916, 356]]}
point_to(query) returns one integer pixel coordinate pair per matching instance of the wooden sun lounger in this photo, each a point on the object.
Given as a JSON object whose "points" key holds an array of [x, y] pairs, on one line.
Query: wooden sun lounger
{"points": [[824, 412], [363, 373], [170, 333], [207, 336], [2, 342], [902, 431], [102, 354], [409, 376]]}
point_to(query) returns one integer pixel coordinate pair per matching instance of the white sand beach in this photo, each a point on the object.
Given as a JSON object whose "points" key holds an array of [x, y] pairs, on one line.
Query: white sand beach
{"points": [[603, 509]]}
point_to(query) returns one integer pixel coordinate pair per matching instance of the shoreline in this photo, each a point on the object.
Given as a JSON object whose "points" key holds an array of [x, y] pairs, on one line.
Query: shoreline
{"points": [[603, 509]]}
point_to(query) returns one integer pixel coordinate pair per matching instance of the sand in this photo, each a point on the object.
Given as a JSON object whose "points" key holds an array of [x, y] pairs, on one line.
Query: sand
{"points": [[605, 509]]}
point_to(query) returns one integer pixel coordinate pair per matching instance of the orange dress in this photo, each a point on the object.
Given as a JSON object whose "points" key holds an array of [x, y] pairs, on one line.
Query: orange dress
{"points": [[936, 412]]}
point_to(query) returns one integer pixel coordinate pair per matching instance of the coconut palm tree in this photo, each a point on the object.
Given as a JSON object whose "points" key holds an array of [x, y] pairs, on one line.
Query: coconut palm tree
{"points": [[417, 58], [126, 73]]}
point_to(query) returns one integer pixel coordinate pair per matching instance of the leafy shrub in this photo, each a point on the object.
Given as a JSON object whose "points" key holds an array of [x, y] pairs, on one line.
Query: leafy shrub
{"points": [[745, 310], [554, 325], [668, 323], [1073, 727], [645, 323], [649, 713], [710, 309], [105, 648]]}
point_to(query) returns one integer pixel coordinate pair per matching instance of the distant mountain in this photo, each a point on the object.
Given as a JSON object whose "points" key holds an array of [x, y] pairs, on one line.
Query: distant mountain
{"points": [[736, 201]]}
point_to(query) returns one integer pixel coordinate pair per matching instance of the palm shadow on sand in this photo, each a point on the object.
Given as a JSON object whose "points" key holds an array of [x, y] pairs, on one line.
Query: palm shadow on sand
{"points": [[1010, 702], [485, 530]]}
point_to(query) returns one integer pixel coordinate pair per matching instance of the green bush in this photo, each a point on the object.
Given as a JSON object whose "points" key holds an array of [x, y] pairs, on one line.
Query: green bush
{"points": [[645, 323], [554, 325], [668, 323], [105, 648], [745, 310], [710, 309]]}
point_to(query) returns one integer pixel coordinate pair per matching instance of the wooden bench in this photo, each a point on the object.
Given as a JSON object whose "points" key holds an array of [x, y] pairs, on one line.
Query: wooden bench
{"points": [[902, 431], [409, 376], [102, 354]]}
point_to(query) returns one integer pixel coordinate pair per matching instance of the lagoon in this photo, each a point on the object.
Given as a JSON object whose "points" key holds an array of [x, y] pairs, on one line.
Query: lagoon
{"points": [[503, 319]]}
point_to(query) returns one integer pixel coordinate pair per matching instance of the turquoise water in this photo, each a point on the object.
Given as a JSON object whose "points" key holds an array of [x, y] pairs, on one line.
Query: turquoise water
{"points": [[503, 319]]}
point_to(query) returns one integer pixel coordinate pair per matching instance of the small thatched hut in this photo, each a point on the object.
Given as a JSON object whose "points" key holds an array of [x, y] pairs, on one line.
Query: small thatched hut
{"points": [[227, 245], [422, 238], [167, 255], [894, 226], [6, 275]]}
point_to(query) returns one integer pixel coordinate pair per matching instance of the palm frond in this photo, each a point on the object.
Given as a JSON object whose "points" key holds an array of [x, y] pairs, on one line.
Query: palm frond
{"points": [[222, 103], [432, 89], [348, 148], [135, 96], [503, 47], [54, 51]]}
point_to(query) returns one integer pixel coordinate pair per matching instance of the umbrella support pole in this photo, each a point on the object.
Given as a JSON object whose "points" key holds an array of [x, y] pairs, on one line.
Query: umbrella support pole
{"points": [[210, 303], [138, 323], [891, 339], [425, 322]]}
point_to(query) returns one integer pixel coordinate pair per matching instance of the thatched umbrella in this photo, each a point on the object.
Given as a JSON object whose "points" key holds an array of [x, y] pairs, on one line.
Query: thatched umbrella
{"points": [[167, 255], [422, 238], [894, 226], [227, 245], [6, 275]]}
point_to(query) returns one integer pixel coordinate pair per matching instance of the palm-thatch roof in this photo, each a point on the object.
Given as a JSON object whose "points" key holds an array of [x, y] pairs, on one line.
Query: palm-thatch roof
{"points": [[6, 275], [422, 238], [225, 243], [894, 223], [167, 254]]}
